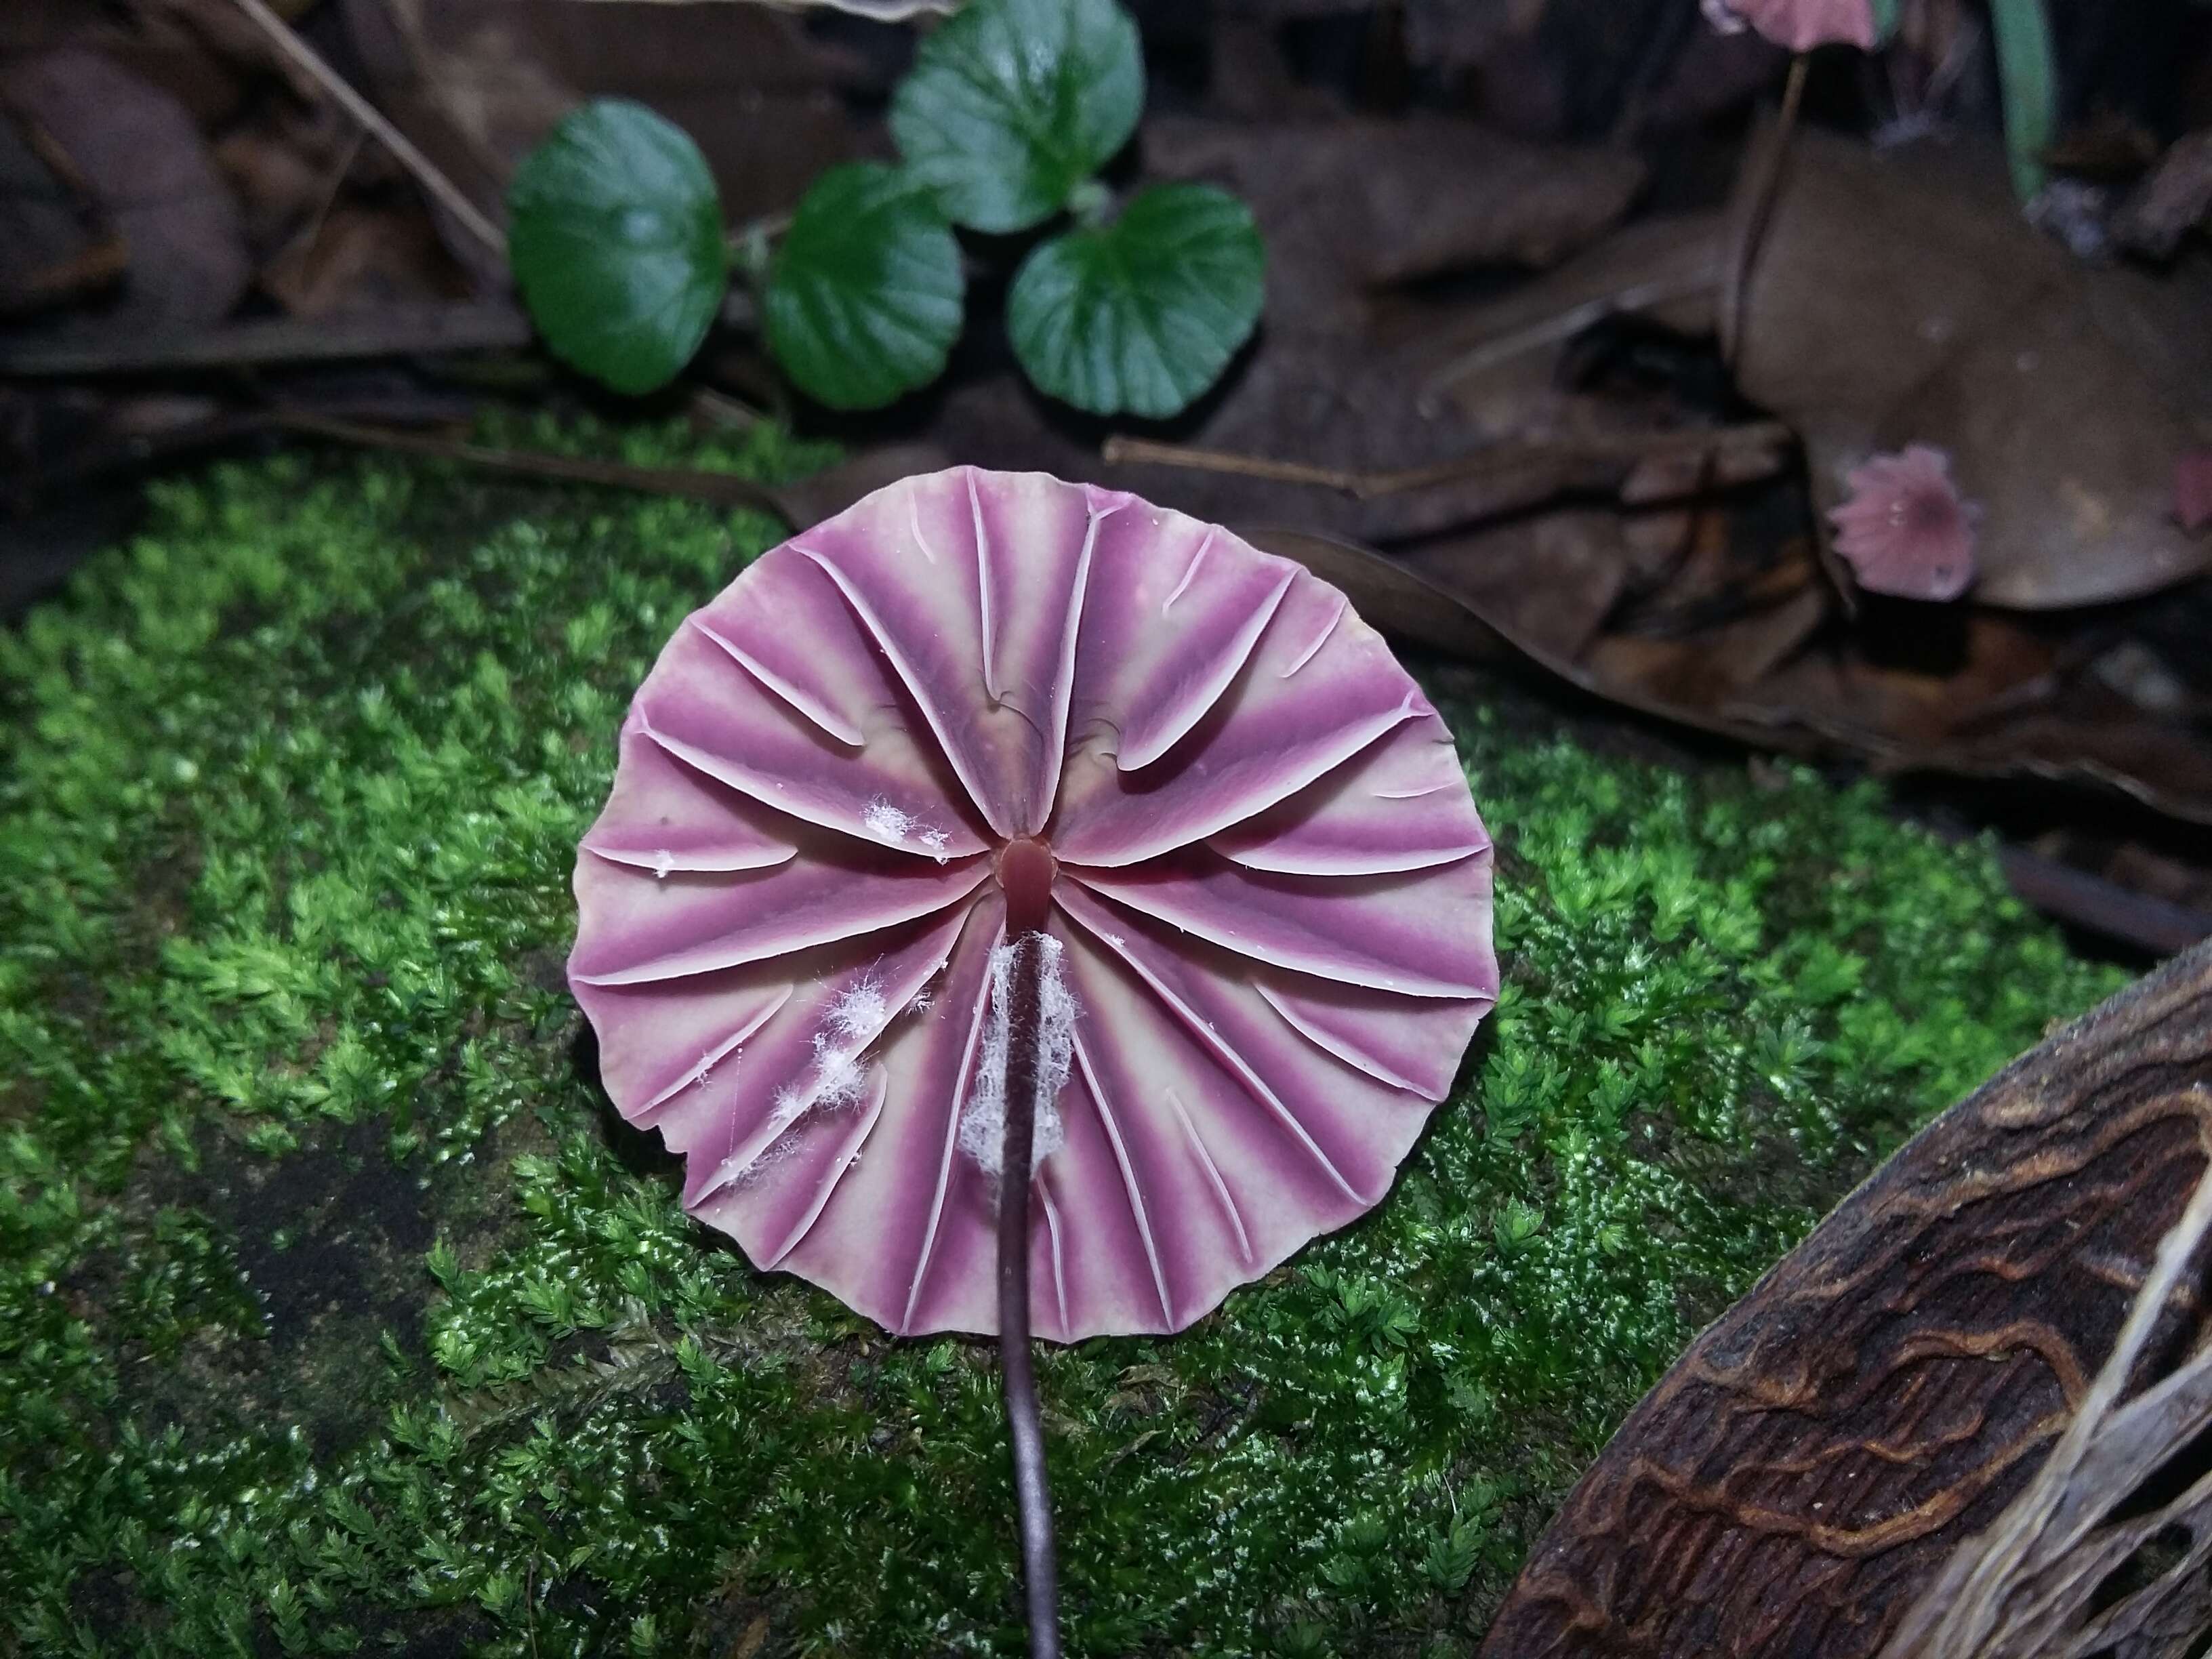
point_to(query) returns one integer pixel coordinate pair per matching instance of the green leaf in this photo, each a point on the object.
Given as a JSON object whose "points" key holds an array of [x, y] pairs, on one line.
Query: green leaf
{"points": [[1142, 315], [1011, 104], [2027, 70], [864, 297], [1452, 1557], [616, 244]]}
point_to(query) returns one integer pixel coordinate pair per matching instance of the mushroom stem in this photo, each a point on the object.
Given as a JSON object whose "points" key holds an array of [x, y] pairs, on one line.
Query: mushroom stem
{"points": [[1024, 1424]]}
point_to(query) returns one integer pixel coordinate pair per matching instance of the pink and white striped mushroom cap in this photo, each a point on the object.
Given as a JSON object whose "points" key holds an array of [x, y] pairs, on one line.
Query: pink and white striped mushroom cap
{"points": [[1272, 898]]}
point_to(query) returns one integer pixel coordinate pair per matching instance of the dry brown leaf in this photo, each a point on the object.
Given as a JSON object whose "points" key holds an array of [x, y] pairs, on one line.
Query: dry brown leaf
{"points": [[2172, 201], [54, 246], [1550, 579], [477, 83], [1349, 206], [473, 99], [288, 164], [1748, 652], [1400, 601], [1899, 297], [143, 162], [361, 258]]}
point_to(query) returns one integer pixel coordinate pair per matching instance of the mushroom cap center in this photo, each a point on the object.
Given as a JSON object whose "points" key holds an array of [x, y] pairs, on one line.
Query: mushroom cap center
{"points": [[1026, 868]]}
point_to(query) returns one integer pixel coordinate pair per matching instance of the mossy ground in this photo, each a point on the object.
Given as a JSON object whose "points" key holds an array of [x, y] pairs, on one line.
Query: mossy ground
{"points": [[338, 1312]]}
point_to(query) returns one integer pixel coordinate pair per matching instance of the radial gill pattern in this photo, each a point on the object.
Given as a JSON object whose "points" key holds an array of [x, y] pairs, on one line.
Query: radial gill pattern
{"points": [[1270, 889]]}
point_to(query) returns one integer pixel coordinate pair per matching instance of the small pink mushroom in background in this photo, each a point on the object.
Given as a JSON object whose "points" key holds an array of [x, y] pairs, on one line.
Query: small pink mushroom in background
{"points": [[1005, 838], [1906, 531], [2192, 490], [1800, 25]]}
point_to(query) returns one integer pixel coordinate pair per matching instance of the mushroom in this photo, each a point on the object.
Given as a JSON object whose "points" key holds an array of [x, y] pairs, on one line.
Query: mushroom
{"points": [[1905, 530], [1004, 823], [1800, 25]]}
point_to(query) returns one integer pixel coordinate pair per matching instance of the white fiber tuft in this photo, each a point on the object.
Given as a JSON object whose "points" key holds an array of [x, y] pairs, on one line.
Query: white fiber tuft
{"points": [[838, 1077], [860, 1012], [885, 821], [983, 1126], [1056, 1015], [888, 822]]}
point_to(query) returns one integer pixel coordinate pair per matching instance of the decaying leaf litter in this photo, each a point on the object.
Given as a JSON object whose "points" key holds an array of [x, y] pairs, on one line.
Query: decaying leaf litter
{"points": [[1476, 436], [1603, 409]]}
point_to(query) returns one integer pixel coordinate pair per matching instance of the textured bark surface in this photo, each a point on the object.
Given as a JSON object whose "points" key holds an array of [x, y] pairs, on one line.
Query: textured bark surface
{"points": [[1803, 1473]]}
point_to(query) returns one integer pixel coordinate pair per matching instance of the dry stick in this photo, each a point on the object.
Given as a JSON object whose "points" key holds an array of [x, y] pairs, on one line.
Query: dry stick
{"points": [[719, 489], [426, 173], [1498, 458], [1025, 875], [1764, 186], [311, 230], [399, 331]]}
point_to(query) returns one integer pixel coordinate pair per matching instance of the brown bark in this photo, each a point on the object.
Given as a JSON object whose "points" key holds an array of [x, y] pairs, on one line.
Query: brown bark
{"points": [[1805, 1471]]}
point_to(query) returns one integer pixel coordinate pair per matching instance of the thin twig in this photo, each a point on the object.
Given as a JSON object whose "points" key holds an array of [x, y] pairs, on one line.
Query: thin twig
{"points": [[311, 229], [718, 489], [387, 332], [1764, 186], [2103, 906], [1118, 450], [1493, 461], [425, 171]]}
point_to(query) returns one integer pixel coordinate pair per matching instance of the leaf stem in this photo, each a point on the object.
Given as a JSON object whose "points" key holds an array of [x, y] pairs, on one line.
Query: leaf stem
{"points": [[1090, 203], [1024, 1422]]}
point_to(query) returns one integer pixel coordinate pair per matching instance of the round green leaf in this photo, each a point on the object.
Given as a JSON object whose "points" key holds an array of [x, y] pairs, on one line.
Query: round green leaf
{"points": [[864, 298], [616, 244], [1012, 103], [1140, 316]]}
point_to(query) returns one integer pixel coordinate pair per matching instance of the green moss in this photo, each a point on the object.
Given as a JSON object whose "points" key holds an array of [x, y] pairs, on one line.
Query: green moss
{"points": [[337, 1311]]}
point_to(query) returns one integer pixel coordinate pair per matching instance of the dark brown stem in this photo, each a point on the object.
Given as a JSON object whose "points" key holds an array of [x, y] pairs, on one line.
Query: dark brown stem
{"points": [[1024, 1422], [1498, 461], [1765, 181]]}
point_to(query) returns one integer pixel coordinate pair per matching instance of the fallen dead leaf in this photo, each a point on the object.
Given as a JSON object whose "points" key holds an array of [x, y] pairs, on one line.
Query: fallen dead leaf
{"points": [[477, 83], [1350, 205], [361, 258], [1984, 695], [2172, 201], [1898, 297], [144, 163], [53, 245]]}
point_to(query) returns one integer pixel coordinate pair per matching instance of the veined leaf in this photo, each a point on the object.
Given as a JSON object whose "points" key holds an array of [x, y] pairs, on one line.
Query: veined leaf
{"points": [[1141, 316], [1013, 103], [863, 299], [616, 244]]}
